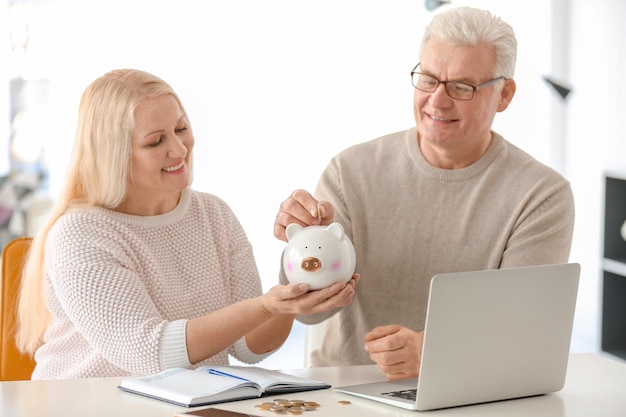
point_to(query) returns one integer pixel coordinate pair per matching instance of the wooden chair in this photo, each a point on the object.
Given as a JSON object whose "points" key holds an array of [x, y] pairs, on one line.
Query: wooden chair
{"points": [[14, 365]]}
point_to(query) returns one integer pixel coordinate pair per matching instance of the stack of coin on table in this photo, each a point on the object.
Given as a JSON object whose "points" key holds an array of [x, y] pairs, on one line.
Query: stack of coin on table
{"points": [[291, 407]]}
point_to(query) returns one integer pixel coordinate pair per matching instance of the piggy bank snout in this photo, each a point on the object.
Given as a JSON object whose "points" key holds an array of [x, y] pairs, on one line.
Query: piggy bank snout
{"points": [[311, 264]]}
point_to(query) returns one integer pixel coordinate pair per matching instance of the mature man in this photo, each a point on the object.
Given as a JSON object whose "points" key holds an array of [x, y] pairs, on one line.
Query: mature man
{"points": [[447, 195]]}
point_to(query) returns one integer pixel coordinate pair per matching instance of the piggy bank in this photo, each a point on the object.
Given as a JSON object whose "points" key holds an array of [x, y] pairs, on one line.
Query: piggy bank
{"points": [[318, 255]]}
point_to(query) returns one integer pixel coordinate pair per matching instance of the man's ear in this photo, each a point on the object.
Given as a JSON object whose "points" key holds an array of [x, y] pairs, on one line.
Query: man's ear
{"points": [[506, 94]]}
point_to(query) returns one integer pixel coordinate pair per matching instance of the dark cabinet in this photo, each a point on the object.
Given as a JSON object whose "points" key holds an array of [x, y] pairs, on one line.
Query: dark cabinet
{"points": [[614, 266]]}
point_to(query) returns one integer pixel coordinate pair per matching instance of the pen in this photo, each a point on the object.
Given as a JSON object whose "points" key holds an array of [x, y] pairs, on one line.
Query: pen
{"points": [[220, 373]]}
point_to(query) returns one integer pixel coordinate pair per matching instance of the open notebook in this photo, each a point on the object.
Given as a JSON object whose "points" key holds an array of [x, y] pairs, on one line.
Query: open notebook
{"points": [[489, 335]]}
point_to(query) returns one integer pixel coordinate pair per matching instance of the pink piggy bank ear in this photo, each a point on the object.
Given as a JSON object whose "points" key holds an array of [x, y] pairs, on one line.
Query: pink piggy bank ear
{"points": [[335, 229], [293, 229]]}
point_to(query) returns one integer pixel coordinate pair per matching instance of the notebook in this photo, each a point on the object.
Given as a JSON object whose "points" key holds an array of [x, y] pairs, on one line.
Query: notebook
{"points": [[489, 335]]}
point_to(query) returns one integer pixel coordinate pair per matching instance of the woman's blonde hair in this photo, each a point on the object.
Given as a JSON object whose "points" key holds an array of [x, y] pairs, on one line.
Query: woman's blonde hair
{"points": [[98, 175]]}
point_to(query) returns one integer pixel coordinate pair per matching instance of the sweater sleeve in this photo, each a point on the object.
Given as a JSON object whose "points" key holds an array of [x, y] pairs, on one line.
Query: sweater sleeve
{"points": [[241, 352], [245, 283], [543, 232], [174, 346]]}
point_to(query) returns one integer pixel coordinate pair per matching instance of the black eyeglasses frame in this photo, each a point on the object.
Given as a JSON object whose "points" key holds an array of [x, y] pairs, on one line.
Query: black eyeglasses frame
{"points": [[445, 84]]}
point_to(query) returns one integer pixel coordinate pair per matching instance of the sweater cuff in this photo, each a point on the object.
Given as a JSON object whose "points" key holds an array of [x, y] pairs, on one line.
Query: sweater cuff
{"points": [[174, 346], [243, 354]]}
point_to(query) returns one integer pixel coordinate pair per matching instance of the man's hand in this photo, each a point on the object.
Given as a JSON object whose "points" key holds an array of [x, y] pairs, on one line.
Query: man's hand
{"points": [[302, 208], [396, 350]]}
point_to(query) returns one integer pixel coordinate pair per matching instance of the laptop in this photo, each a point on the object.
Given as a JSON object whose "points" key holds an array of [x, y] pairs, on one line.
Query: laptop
{"points": [[489, 336]]}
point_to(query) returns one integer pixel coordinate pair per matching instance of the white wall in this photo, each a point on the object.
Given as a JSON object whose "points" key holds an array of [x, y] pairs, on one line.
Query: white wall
{"points": [[596, 129], [5, 131], [275, 88]]}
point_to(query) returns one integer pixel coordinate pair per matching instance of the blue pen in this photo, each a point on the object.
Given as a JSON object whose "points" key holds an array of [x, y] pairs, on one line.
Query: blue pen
{"points": [[220, 373]]}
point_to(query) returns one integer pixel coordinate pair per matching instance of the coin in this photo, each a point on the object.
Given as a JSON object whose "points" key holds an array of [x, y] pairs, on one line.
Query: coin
{"points": [[281, 406], [344, 402]]}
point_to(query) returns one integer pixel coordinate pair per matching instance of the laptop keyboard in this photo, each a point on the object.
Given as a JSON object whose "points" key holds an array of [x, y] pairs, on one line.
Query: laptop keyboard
{"points": [[407, 394]]}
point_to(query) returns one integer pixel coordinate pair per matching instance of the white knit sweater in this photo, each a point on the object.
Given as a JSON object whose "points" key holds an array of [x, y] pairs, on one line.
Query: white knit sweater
{"points": [[120, 288]]}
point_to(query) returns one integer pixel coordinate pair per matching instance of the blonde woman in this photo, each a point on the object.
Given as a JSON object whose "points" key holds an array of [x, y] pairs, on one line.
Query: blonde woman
{"points": [[134, 272]]}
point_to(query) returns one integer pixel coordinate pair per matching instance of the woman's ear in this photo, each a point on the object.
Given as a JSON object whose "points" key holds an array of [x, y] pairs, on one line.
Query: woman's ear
{"points": [[506, 94]]}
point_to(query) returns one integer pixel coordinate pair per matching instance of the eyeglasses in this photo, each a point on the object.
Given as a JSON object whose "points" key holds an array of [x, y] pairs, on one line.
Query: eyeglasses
{"points": [[455, 89]]}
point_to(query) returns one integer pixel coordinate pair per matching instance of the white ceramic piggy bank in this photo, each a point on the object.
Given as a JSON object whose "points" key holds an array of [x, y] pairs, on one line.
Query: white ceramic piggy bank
{"points": [[318, 255]]}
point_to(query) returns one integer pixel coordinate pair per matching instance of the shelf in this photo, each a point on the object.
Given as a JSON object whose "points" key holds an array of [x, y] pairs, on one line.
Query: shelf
{"points": [[614, 217], [615, 174], [616, 267], [618, 353], [614, 314]]}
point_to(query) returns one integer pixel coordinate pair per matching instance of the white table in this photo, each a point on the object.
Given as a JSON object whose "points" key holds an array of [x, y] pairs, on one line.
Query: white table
{"points": [[595, 386]]}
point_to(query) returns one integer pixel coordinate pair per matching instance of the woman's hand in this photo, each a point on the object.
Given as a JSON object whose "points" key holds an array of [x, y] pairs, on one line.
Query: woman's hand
{"points": [[297, 299]]}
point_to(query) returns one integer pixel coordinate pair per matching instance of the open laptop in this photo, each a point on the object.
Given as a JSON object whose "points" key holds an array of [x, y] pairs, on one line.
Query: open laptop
{"points": [[489, 335]]}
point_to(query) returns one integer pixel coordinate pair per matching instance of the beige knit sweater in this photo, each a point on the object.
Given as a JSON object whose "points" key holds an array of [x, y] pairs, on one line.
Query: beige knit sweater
{"points": [[409, 221]]}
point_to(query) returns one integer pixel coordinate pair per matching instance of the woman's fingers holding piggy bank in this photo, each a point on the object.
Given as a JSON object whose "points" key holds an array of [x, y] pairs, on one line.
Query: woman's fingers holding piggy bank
{"points": [[334, 296], [303, 209], [296, 299]]}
